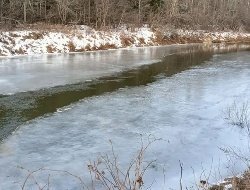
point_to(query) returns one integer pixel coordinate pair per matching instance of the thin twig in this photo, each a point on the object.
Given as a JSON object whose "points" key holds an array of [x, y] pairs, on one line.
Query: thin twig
{"points": [[181, 167]]}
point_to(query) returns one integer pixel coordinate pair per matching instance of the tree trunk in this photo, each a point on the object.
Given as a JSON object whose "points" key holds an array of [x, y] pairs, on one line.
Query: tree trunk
{"points": [[1, 11], [89, 12], [25, 11], [139, 12]]}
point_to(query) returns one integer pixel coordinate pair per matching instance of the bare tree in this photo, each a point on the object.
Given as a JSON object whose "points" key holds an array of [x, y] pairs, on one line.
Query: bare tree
{"points": [[195, 14]]}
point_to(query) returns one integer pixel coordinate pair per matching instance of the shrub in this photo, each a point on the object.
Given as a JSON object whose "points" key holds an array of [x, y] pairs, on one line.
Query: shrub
{"points": [[71, 46], [238, 115], [50, 49]]}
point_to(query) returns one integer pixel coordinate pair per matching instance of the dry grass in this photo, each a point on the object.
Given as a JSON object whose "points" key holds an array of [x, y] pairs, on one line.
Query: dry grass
{"points": [[88, 47], [108, 173], [127, 41], [14, 35], [105, 173], [4, 41], [1, 53], [34, 36], [238, 114], [44, 27], [20, 51], [174, 38], [71, 46], [50, 49], [107, 46], [142, 41], [160, 38]]}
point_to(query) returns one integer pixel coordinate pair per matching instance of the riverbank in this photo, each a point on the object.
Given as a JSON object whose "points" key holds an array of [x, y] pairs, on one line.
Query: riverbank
{"points": [[234, 183], [65, 39]]}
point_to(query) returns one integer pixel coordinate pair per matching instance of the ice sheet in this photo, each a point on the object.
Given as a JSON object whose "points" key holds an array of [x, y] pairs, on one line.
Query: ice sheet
{"points": [[29, 73], [185, 110]]}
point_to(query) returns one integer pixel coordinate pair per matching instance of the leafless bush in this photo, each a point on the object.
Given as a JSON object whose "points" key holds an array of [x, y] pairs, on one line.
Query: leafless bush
{"points": [[239, 115], [105, 173], [47, 184], [71, 46], [127, 41], [236, 153], [107, 46], [50, 49], [108, 173], [102, 14]]}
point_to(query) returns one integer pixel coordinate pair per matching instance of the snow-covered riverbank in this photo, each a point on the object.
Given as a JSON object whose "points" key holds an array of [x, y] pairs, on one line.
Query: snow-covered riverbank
{"points": [[83, 38]]}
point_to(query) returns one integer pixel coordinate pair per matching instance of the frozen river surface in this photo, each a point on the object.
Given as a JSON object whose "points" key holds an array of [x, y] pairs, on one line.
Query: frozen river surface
{"points": [[185, 110], [28, 73]]}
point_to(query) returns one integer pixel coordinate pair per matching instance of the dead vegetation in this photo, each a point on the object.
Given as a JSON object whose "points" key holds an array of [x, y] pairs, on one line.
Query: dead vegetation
{"points": [[105, 173], [71, 47], [127, 41], [106, 14], [20, 51], [1, 53], [108, 173], [238, 114], [50, 49], [33, 39], [107, 46], [88, 47], [34, 36]]}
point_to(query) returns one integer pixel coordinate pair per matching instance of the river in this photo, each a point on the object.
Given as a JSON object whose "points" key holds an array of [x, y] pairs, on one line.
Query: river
{"points": [[60, 111]]}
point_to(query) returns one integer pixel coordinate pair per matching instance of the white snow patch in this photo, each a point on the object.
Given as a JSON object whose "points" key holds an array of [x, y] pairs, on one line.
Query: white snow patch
{"points": [[85, 38]]}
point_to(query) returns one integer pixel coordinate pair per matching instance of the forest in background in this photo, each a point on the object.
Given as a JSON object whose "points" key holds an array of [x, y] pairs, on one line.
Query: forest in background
{"points": [[104, 14]]}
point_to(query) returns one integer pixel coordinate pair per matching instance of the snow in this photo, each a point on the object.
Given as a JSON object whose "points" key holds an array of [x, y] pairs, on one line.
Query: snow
{"points": [[213, 36], [36, 42], [84, 38]]}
